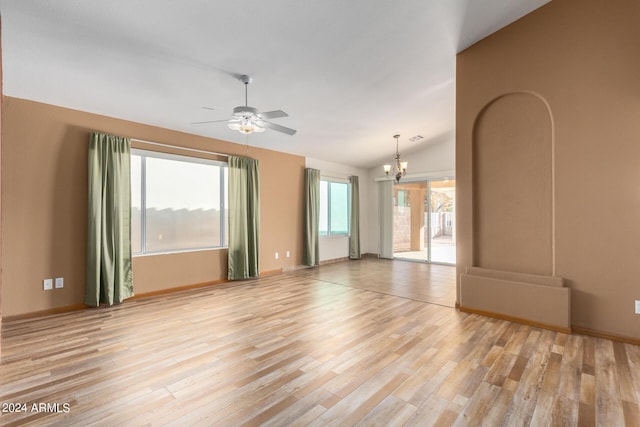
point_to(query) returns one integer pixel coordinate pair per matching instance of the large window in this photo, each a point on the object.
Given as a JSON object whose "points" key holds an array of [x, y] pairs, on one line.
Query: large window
{"points": [[334, 208], [178, 203]]}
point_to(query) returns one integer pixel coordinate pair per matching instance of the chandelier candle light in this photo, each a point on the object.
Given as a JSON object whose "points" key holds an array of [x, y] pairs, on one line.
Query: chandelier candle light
{"points": [[400, 168]]}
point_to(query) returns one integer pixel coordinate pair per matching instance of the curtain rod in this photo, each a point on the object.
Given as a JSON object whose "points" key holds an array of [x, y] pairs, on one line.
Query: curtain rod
{"points": [[195, 150]]}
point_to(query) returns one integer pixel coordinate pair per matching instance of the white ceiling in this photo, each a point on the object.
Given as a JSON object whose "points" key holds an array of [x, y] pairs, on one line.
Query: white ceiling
{"points": [[350, 74]]}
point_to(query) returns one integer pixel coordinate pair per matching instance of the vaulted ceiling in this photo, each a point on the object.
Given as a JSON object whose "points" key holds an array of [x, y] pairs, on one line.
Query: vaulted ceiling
{"points": [[350, 74]]}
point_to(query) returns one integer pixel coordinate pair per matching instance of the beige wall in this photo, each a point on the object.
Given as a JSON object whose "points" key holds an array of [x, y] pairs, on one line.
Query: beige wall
{"points": [[512, 203], [44, 186], [1, 79], [581, 58]]}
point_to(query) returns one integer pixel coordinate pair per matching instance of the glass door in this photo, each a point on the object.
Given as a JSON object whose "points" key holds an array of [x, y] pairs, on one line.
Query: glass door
{"points": [[442, 222], [424, 221], [409, 209]]}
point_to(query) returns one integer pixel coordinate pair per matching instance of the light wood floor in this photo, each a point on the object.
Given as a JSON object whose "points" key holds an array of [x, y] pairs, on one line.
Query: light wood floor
{"points": [[432, 283], [295, 350]]}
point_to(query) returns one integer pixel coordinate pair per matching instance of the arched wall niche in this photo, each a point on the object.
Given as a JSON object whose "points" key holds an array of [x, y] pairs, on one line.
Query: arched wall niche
{"points": [[513, 185]]}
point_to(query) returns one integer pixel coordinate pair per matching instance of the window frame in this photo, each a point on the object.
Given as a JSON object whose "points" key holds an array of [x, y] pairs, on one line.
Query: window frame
{"points": [[329, 232], [224, 166]]}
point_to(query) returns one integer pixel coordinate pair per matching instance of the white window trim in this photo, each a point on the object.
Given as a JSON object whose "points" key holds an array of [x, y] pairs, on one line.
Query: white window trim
{"points": [[187, 159], [330, 235]]}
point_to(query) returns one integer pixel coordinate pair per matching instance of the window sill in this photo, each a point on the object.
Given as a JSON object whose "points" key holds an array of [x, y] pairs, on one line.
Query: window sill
{"points": [[182, 251]]}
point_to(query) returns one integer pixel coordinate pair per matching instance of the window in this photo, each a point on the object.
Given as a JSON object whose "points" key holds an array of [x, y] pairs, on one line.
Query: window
{"points": [[334, 208], [178, 203]]}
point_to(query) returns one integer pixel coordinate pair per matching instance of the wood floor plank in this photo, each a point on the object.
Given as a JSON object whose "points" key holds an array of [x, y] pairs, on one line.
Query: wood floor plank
{"points": [[480, 403], [586, 415], [571, 366], [626, 388], [495, 415], [430, 413], [390, 412], [633, 357], [325, 346], [524, 399], [463, 380], [609, 409], [351, 409], [425, 381], [547, 394], [300, 412]]}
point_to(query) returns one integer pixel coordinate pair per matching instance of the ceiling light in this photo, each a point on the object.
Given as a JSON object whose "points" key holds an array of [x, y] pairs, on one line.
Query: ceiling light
{"points": [[246, 120], [399, 168]]}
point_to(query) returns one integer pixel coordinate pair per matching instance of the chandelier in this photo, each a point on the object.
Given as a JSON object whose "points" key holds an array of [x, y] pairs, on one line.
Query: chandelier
{"points": [[399, 168]]}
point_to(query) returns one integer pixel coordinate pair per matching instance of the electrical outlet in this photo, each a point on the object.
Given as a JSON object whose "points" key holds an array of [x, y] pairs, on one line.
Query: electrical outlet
{"points": [[288, 254], [638, 306], [277, 256], [59, 282], [47, 284]]}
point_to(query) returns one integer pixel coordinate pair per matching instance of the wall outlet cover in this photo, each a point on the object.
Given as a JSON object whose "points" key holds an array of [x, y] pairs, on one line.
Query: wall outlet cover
{"points": [[59, 282], [638, 306], [47, 284]]}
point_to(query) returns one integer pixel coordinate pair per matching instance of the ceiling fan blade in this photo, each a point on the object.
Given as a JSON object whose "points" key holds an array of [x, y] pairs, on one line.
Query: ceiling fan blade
{"points": [[279, 128], [273, 114], [209, 121]]}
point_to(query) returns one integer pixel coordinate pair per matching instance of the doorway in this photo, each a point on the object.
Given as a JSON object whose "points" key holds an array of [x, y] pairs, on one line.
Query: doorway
{"points": [[424, 221]]}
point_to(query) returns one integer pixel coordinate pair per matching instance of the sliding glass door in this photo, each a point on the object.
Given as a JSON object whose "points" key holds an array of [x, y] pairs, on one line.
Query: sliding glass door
{"points": [[424, 221], [442, 236]]}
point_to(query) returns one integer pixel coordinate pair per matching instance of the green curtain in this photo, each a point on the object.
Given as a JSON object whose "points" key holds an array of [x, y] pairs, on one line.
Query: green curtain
{"points": [[385, 215], [244, 217], [354, 219], [311, 254], [109, 272]]}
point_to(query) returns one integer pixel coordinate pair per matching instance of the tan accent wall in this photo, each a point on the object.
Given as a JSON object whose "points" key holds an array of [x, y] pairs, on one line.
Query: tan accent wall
{"points": [[44, 186], [1, 79], [580, 57], [512, 205]]}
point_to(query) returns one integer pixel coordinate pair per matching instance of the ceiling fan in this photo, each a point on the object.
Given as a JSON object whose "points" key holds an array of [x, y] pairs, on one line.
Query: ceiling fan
{"points": [[246, 119]]}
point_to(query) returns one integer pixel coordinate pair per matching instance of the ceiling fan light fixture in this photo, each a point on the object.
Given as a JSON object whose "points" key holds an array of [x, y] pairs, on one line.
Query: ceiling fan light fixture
{"points": [[246, 127], [244, 111], [246, 119]]}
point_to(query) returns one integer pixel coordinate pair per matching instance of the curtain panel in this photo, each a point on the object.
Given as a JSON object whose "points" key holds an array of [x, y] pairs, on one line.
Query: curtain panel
{"points": [[354, 219], [385, 214], [311, 254], [244, 218], [109, 270]]}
